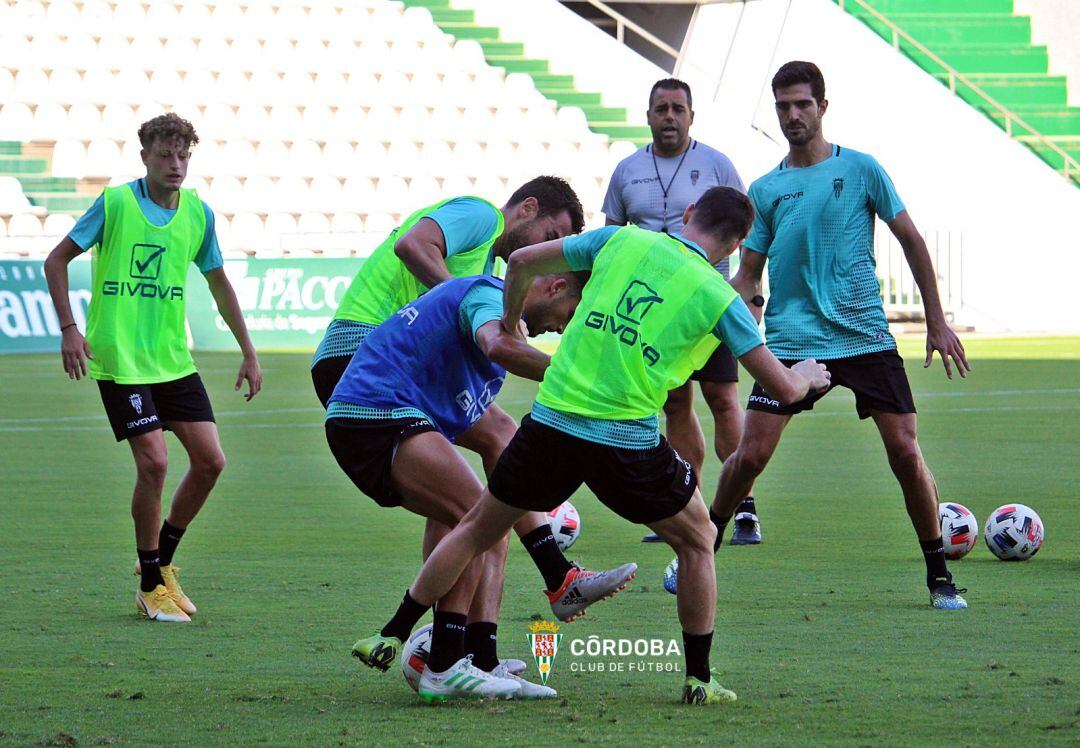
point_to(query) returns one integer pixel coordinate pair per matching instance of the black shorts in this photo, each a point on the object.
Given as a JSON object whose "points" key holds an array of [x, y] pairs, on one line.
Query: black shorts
{"points": [[365, 450], [542, 467], [135, 409], [326, 374], [721, 367], [877, 379]]}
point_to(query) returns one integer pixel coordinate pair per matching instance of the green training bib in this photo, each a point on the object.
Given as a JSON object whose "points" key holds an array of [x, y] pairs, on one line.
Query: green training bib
{"points": [[644, 325], [135, 325], [384, 284]]}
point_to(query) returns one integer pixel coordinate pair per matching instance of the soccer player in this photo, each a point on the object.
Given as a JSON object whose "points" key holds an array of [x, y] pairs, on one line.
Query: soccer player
{"points": [[145, 234], [653, 311], [651, 188], [420, 380], [815, 226], [453, 238]]}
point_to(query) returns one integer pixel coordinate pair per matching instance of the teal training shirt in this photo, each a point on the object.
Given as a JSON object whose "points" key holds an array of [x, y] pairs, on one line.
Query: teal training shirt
{"points": [[816, 225], [736, 328], [481, 304]]}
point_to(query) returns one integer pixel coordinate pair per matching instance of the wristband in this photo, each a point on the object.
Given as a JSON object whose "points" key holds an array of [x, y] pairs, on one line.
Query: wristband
{"points": [[70, 324]]}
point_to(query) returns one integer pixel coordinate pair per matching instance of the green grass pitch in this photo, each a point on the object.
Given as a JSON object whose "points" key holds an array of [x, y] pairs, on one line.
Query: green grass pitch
{"points": [[824, 630]]}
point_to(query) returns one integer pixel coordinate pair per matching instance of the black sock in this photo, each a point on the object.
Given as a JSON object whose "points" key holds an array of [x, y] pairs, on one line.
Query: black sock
{"points": [[934, 555], [404, 620], [480, 643], [150, 569], [696, 650], [553, 566], [747, 505], [447, 641], [168, 539], [721, 525]]}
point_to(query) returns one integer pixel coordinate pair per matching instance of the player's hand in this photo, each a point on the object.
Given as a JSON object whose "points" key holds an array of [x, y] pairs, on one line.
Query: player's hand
{"points": [[522, 330], [943, 340], [819, 376], [252, 372], [74, 351]]}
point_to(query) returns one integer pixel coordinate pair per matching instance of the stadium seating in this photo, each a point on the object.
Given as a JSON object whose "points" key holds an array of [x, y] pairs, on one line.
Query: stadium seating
{"points": [[991, 46], [307, 111]]}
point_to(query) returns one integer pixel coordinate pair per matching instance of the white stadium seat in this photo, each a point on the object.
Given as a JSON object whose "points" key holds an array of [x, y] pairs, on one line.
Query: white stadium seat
{"points": [[103, 158], [379, 223], [358, 194], [259, 194], [14, 49], [12, 199], [226, 194], [24, 224], [270, 158], [50, 122], [358, 109], [246, 230], [16, 121], [391, 194], [58, 225]]}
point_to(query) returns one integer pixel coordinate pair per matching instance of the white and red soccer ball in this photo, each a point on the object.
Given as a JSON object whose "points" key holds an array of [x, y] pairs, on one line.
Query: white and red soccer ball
{"points": [[959, 530], [414, 656], [565, 524], [1014, 532]]}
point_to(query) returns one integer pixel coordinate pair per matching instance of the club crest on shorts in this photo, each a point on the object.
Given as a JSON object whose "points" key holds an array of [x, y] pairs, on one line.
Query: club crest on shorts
{"points": [[136, 402], [544, 642]]}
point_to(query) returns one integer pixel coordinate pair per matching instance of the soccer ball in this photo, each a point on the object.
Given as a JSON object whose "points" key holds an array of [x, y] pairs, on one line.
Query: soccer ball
{"points": [[565, 524], [414, 656], [959, 530], [1014, 532]]}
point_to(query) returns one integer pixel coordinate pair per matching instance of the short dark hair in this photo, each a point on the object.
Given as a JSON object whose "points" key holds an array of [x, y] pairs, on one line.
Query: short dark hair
{"points": [[167, 127], [554, 194], [797, 71], [724, 212], [576, 280], [672, 84]]}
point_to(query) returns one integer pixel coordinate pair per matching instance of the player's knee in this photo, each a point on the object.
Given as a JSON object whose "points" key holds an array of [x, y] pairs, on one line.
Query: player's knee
{"points": [[151, 467], [723, 400], [749, 460], [905, 457], [211, 467]]}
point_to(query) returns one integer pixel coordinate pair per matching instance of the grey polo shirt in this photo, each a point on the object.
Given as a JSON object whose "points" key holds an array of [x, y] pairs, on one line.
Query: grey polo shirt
{"points": [[636, 192]]}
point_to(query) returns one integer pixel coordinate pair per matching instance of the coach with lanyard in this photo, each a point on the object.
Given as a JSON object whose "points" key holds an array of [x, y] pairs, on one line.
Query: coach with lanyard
{"points": [[651, 189]]}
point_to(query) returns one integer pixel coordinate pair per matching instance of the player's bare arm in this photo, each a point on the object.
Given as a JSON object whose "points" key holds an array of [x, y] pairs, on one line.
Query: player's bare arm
{"points": [[939, 336], [229, 307], [423, 251], [74, 350], [784, 384], [511, 352], [523, 266], [747, 280]]}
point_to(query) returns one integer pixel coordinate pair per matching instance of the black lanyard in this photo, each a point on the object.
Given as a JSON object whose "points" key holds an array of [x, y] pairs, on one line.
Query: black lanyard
{"points": [[671, 181]]}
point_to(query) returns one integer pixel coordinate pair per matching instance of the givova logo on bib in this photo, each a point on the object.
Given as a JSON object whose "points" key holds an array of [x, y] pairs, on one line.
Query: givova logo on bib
{"points": [[634, 303], [146, 261], [144, 266]]}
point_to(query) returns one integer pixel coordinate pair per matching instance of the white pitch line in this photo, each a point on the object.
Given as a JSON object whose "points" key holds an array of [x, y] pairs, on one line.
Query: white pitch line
{"points": [[311, 424]]}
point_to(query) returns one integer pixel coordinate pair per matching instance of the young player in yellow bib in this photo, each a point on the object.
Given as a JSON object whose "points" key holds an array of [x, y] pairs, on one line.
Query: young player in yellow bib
{"points": [[145, 234], [652, 312]]}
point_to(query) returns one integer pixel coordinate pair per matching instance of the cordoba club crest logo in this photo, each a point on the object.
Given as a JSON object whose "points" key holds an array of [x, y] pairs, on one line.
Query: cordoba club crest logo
{"points": [[136, 402], [544, 642]]}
